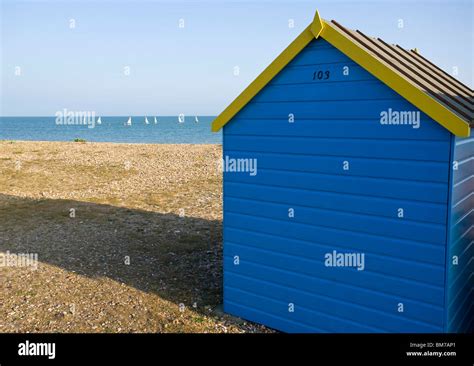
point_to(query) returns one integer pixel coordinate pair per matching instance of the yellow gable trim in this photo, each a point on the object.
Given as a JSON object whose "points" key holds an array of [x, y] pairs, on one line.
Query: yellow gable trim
{"points": [[317, 25], [323, 29]]}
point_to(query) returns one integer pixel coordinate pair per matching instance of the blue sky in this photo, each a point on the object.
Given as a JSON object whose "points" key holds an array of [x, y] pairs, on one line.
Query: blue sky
{"points": [[190, 70]]}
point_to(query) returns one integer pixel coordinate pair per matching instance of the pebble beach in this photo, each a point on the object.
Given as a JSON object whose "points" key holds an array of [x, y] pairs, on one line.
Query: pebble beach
{"points": [[128, 238]]}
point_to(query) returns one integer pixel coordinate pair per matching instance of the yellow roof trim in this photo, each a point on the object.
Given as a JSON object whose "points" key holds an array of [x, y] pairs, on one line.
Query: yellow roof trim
{"points": [[323, 29], [317, 25]]}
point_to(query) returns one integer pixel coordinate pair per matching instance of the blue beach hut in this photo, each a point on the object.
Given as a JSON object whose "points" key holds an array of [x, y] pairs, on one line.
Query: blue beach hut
{"points": [[358, 213]]}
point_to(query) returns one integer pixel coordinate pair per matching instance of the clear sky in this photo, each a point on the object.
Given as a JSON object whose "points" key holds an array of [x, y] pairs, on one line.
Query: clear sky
{"points": [[190, 70]]}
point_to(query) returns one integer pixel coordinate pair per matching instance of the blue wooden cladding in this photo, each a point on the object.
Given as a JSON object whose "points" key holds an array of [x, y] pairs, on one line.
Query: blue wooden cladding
{"points": [[349, 224], [460, 259]]}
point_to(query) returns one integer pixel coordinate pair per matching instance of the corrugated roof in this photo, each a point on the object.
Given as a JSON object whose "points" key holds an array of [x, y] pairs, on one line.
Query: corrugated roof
{"points": [[424, 74], [430, 89]]}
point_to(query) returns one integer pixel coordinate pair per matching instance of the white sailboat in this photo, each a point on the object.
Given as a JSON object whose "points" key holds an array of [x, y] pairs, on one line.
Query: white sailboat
{"points": [[99, 121], [196, 119], [129, 122], [146, 121], [156, 121]]}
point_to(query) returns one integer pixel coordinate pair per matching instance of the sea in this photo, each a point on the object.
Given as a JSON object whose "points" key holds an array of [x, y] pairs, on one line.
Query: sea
{"points": [[167, 130]]}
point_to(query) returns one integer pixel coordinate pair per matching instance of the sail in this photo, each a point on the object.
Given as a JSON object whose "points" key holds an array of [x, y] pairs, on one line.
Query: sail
{"points": [[129, 122], [99, 121], [146, 120], [156, 121]]}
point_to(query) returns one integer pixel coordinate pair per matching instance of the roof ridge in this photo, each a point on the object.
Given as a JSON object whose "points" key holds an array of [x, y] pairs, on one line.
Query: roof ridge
{"points": [[442, 97]]}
